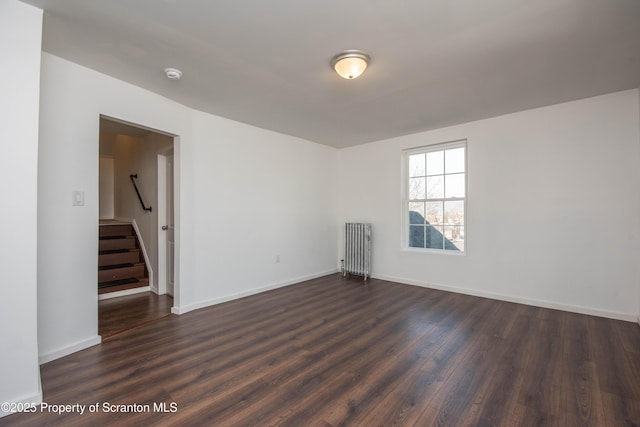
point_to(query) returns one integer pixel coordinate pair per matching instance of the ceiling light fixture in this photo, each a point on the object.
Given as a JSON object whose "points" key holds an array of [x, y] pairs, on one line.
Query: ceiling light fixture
{"points": [[173, 73], [350, 63]]}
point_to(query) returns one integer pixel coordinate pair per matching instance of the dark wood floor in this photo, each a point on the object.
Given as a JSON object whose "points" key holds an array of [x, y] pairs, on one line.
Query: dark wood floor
{"points": [[117, 315], [337, 352]]}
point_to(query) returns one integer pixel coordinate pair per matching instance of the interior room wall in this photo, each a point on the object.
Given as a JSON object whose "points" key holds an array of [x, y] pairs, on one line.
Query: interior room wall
{"points": [[106, 177], [20, 43], [106, 187], [265, 211], [552, 207], [214, 159]]}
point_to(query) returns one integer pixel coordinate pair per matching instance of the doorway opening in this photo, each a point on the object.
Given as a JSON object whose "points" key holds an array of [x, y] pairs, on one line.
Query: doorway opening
{"points": [[136, 240]]}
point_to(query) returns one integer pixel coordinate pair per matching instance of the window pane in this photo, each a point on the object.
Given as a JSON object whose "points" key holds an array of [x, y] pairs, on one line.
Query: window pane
{"points": [[454, 236], [435, 187], [436, 197], [434, 213], [454, 160], [435, 163], [416, 236], [454, 185], [434, 238], [416, 165], [416, 213], [454, 213], [416, 188]]}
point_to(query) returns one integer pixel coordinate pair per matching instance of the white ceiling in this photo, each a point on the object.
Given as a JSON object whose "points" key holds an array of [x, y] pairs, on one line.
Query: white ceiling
{"points": [[434, 62]]}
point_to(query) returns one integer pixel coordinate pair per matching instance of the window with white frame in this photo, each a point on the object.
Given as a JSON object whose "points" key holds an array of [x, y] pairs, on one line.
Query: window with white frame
{"points": [[435, 197]]}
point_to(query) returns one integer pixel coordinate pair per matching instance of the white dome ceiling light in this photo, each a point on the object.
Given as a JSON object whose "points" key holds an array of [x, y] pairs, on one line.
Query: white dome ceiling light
{"points": [[350, 64]]}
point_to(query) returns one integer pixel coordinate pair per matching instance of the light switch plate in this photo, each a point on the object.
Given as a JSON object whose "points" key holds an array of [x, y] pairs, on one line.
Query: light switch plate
{"points": [[77, 198]]}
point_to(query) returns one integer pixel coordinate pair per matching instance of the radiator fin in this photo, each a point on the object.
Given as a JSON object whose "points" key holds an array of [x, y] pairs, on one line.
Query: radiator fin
{"points": [[357, 249]]}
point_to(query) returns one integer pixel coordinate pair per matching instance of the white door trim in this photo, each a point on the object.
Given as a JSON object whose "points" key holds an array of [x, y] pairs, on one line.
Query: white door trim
{"points": [[162, 220]]}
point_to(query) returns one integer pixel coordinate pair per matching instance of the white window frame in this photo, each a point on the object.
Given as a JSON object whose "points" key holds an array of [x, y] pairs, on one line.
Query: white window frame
{"points": [[462, 143]]}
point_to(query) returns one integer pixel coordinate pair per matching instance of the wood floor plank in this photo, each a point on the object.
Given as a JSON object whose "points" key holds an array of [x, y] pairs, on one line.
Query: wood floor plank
{"points": [[620, 411], [384, 364], [627, 333], [581, 399], [289, 381], [341, 352], [119, 314], [617, 374]]}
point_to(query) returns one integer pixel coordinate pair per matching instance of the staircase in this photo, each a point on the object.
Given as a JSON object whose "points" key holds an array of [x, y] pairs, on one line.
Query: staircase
{"points": [[120, 262]]}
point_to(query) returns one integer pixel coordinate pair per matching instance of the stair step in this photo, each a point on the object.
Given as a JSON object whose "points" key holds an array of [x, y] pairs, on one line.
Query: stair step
{"points": [[113, 251], [128, 242], [121, 256], [121, 285], [116, 230], [115, 266], [120, 265], [120, 271], [118, 282]]}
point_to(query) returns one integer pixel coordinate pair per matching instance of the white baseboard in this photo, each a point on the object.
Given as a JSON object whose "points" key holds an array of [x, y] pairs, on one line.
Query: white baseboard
{"points": [[34, 399], [124, 293], [80, 345], [629, 317], [202, 304]]}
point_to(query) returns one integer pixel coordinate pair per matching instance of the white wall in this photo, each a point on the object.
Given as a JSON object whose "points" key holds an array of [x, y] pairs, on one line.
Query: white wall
{"points": [[227, 174], [20, 39], [106, 187], [552, 214], [261, 195]]}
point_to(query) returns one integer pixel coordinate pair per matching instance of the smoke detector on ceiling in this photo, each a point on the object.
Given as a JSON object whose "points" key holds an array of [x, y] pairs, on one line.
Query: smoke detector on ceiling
{"points": [[173, 73]]}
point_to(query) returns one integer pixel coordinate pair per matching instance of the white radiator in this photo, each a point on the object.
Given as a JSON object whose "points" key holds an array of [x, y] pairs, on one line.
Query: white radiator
{"points": [[357, 250]]}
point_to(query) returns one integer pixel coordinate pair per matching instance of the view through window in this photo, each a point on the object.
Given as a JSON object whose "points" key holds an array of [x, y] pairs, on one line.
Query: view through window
{"points": [[436, 195]]}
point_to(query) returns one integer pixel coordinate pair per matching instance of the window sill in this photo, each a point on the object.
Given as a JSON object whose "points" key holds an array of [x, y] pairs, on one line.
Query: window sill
{"points": [[433, 251]]}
